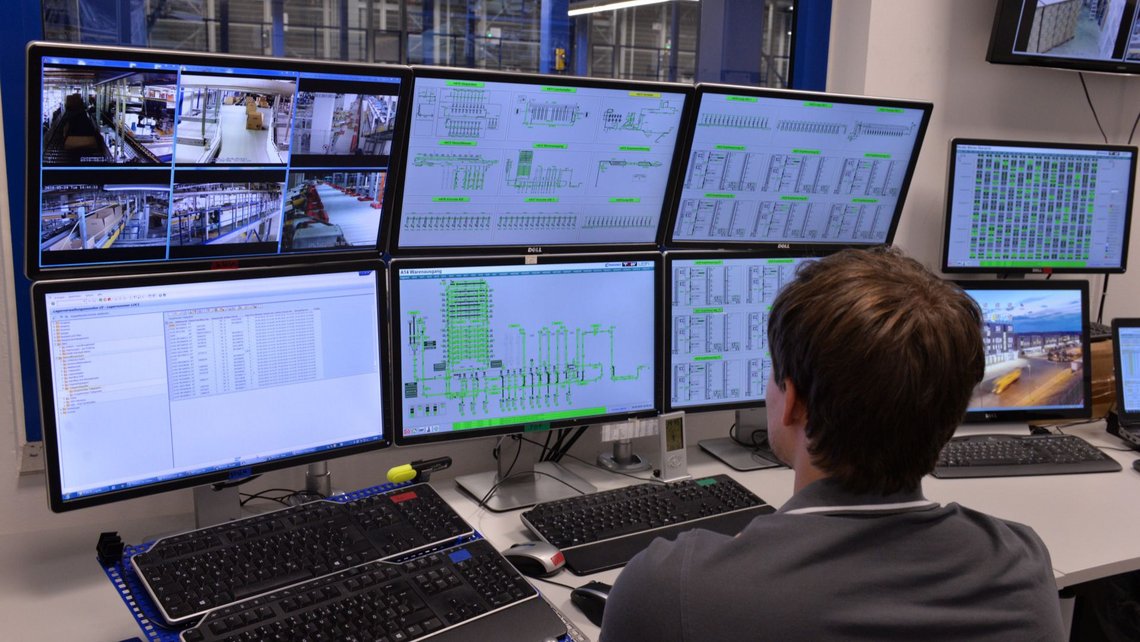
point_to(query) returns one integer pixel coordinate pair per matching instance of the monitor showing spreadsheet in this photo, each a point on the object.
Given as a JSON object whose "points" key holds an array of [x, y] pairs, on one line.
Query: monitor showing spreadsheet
{"points": [[1035, 207], [497, 161], [718, 333], [153, 383], [1126, 351], [776, 168]]}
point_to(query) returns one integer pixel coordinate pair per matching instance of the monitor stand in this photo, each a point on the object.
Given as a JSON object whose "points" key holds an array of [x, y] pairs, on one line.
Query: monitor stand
{"points": [[737, 455], [526, 485], [213, 506]]}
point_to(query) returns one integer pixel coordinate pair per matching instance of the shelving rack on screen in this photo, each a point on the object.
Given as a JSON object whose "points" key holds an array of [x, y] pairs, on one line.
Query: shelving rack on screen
{"points": [[772, 169], [515, 345], [147, 159], [502, 163]]}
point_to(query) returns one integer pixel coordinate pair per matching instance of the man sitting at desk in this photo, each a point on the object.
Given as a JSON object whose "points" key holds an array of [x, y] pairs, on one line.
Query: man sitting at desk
{"points": [[873, 362]]}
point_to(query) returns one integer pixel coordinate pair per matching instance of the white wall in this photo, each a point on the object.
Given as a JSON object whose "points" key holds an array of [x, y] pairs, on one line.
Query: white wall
{"points": [[935, 50]]}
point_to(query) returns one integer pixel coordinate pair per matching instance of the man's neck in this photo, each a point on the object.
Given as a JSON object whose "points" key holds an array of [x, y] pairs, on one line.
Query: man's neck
{"points": [[806, 474]]}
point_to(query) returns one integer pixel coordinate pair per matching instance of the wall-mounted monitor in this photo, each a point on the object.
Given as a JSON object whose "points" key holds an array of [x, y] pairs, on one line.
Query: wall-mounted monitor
{"points": [[143, 157], [717, 341], [1069, 34], [1016, 206], [152, 383], [521, 163], [1037, 350], [768, 168]]}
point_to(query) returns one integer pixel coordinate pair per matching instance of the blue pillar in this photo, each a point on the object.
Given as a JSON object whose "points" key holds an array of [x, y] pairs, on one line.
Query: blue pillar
{"points": [[428, 37], [554, 33], [729, 46], [810, 39], [342, 18], [469, 40], [277, 16], [224, 26], [674, 38], [22, 23], [581, 52]]}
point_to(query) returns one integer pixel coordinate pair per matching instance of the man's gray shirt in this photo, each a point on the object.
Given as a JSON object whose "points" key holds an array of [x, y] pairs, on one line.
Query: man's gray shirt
{"points": [[831, 565]]}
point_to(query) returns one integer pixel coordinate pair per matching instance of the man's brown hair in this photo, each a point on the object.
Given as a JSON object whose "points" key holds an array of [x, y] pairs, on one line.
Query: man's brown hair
{"points": [[885, 356]]}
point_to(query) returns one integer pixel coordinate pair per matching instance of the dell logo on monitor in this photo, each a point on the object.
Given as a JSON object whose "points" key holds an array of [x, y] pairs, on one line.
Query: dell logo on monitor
{"points": [[534, 250], [784, 246]]}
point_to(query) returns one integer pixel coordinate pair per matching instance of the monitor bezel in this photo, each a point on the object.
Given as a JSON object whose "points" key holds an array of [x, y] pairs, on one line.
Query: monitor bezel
{"points": [[514, 260], [668, 240], [687, 91], [39, 291], [37, 51], [1118, 324], [1024, 414], [1001, 47], [951, 166], [667, 303]]}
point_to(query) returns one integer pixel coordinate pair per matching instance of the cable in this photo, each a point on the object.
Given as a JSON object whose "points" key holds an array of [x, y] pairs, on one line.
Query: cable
{"points": [[1133, 132], [1081, 75], [506, 476], [565, 449], [594, 465], [261, 495], [1103, 294], [565, 586]]}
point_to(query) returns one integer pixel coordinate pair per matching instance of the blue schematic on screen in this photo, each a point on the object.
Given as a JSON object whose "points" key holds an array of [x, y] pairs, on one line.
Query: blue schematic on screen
{"points": [[788, 170], [489, 346], [515, 163]]}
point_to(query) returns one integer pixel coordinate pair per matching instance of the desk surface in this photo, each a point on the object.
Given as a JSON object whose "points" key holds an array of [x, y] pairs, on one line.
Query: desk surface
{"points": [[51, 587]]}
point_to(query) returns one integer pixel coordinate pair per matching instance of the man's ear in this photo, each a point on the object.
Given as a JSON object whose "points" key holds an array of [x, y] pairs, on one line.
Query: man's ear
{"points": [[795, 411]]}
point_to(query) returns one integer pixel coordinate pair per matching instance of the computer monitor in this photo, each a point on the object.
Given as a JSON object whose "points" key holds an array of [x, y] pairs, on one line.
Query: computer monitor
{"points": [[1016, 207], [1037, 350], [775, 168], [144, 157], [153, 383], [501, 163], [498, 345], [718, 329], [1126, 354]]}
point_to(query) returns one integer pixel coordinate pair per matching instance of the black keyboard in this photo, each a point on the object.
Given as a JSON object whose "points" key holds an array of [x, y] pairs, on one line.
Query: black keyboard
{"points": [[1099, 331], [604, 530], [191, 573], [1012, 455], [468, 592]]}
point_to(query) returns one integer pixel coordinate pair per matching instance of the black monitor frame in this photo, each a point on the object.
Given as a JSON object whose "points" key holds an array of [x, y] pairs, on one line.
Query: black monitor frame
{"points": [[951, 165], [234, 474], [1008, 21], [1014, 414], [457, 74], [703, 89], [667, 345], [549, 259], [38, 52], [1125, 415]]}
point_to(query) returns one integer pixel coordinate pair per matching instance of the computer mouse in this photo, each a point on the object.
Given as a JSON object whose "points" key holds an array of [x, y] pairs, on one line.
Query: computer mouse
{"points": [[1136, 465], [535, 559], [590, 598]]}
